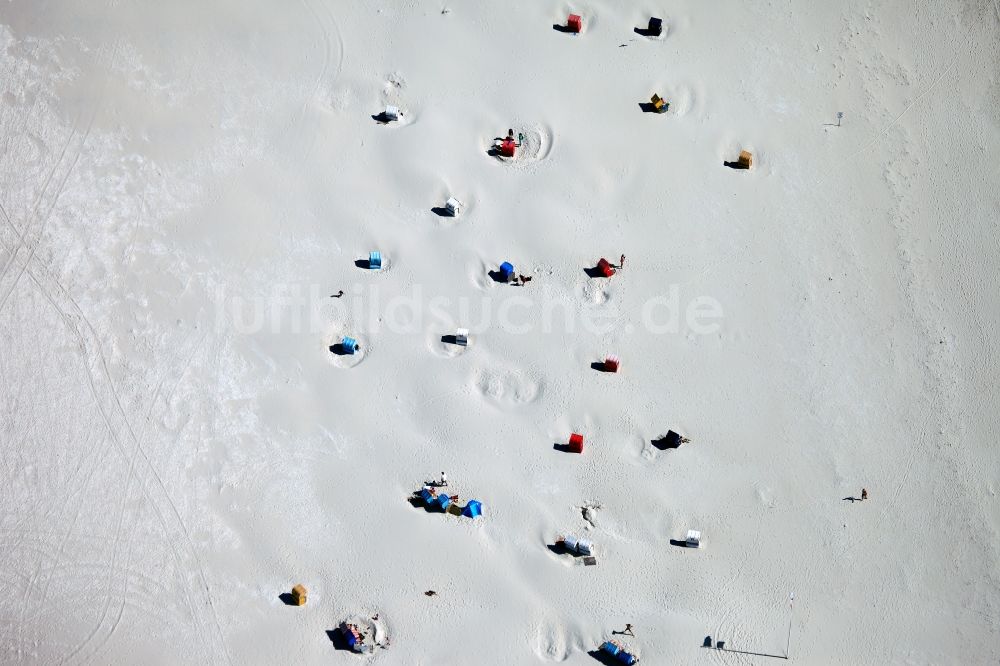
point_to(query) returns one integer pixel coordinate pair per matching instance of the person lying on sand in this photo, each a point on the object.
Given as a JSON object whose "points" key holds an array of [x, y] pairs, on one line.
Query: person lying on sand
{"points": [[525, 279]]}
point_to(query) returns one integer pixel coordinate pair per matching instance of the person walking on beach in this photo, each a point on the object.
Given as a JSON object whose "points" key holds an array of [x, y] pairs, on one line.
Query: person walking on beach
{"points": [[864, 494], [628, 630], [444, 479], [621, 262]]}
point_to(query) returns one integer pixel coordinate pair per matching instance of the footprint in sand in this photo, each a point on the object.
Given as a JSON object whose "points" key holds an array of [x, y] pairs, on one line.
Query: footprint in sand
{"points": [[507, 388], [594, 291], [685, 98], [551, 643], [393, 95], [536, 144]]}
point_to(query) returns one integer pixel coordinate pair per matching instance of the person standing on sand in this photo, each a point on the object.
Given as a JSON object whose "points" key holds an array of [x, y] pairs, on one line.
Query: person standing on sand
{"points": [[444, 479], [628, 630], [864, 494], [621, 262]]}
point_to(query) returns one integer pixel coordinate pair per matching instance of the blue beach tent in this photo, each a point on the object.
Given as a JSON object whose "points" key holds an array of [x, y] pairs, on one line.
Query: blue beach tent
{"points": [[375, 260], [350, 345], [507, 270], [473, 509]]}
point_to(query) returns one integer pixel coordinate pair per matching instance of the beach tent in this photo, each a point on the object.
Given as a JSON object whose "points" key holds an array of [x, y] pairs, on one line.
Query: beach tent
{"points": [[349, 345], [443, 501], [604, 268], [375, 260], [507, 271], [473, 509], [426, 495], [454, 206]]}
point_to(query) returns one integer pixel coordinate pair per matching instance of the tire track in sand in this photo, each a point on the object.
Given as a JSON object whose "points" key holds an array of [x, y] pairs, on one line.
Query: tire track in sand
{"points": [[109, 405]]}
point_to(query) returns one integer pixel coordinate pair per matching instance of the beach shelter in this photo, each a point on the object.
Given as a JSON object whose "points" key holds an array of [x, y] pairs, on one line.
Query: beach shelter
{"points": [[507, 271], [746, 159], [585, 546], [299, 595], [427, 495], [693, 539], [375, 260], [391, 113], [443, 501], [626, 657], [659, 104], [351, 635], [655, 26], [604, 268], [611, 364], [611, 648], [574, 23], [454, 206], [473, 509], [576, 443], [507, 148], [462, 337], [350, 345]]}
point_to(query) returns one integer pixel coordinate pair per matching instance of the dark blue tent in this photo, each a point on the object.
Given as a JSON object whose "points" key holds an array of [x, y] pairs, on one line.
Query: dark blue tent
{"points": [[473, 509]]}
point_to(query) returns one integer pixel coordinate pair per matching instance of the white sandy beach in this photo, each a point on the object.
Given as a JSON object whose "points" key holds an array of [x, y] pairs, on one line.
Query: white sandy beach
{"points": [[185, 184]]}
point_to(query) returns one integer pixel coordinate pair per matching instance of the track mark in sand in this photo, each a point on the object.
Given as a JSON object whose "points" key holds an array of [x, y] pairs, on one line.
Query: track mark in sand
{"points": [[33, 216], [131, 475], [595, 291], [330, 34], [507, 388], [589, 513], [895, 120], [927, 91], [551, 643], [113, 414]]}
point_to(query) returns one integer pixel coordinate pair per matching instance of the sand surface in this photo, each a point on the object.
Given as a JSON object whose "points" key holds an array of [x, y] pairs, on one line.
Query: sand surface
{"points": [[184, 185]]}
